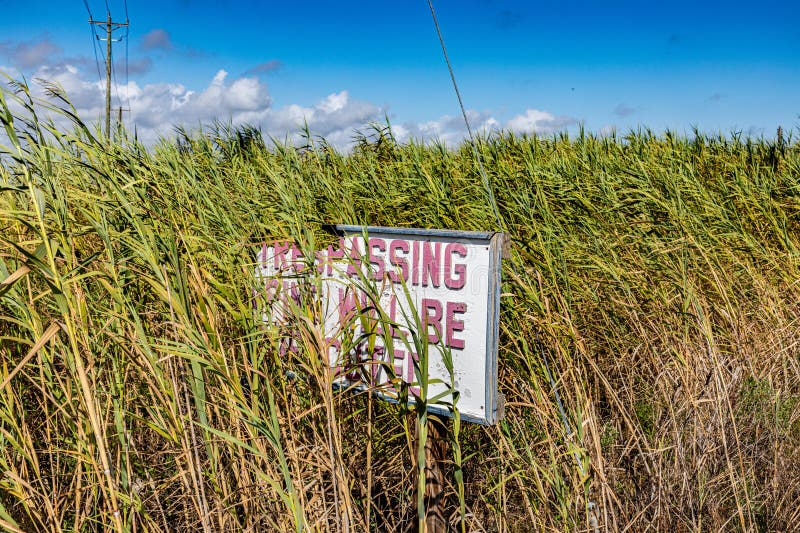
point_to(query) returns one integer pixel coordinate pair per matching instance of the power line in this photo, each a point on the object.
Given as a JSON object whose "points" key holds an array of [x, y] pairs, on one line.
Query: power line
{"points": [[484, 177], [93, 37], [111, 26], [114, 75], [127, 40], [94, 49], [127, 79], [591, 504], [118, 92]]}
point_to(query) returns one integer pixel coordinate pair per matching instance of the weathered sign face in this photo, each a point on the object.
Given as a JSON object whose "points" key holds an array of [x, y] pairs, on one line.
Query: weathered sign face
{"points": [[432, 297]]}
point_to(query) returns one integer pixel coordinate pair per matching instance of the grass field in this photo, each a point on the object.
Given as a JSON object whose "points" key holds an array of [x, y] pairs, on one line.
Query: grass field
{"points": [[659, 273]]}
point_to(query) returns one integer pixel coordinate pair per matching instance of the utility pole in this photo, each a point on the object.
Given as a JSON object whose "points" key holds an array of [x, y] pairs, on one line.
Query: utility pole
{"points": [[119, 119], [110, 27]]}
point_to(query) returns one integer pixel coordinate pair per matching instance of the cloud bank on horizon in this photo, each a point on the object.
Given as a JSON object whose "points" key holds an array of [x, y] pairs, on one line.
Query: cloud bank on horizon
{"points": [[521, 66], [157, 108]]}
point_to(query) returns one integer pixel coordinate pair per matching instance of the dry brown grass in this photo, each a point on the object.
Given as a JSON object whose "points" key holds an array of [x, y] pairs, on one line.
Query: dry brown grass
{"points": [[140, 392]]}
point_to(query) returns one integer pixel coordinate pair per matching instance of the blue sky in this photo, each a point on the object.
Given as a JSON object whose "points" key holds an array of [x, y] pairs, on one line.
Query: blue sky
{"points": [[528, 66]]}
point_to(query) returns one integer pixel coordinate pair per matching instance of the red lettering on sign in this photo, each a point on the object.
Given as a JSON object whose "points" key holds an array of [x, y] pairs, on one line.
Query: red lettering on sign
{"points": [[354, 265], [320, 260], [458, 280], [377, 260], [432, 316], [263, 256], [396, 261], [430, 263], [279, 257], [297, 256], [415, 262], [333, 254], [271, 289], [347, 305], [454, 325]]}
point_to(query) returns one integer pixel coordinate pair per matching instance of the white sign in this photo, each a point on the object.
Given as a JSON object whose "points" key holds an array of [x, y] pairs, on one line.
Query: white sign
{"points": [[378, 289]]}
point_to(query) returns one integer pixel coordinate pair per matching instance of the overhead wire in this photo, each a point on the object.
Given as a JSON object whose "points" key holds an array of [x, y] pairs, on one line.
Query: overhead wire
{"points": [[113, 63], [486, 185], [493, 203], [127, 40], [95, 39], [114, 75], [92, 32], [114, 67]]}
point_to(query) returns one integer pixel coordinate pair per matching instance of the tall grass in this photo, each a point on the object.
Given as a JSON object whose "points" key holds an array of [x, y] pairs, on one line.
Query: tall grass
{"points": [[139, 391]]}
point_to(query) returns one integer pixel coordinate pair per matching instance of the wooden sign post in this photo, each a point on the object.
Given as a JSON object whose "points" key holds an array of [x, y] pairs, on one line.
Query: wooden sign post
{"points": [[435, 456]]}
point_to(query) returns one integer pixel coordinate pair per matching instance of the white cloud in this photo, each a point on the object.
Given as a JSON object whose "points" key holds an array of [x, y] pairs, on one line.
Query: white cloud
{"points": [[334, 102], [447, 129], [9, 71], [452, 130], [536, 121], [156, 108], [29, 54]]}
